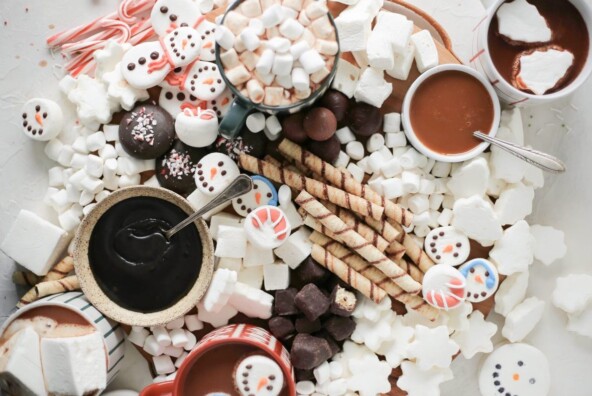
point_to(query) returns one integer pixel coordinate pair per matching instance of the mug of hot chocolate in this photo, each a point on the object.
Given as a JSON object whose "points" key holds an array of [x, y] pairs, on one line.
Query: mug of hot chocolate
{"points": [[275, 59], [534, 51], [237, 360], [59, 345]]}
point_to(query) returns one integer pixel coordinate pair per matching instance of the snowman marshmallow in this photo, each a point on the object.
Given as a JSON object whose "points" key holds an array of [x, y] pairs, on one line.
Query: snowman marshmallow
{"points": [[258, 375], [148, 64], [444, 287], [204, 81], [267, 227], [263, 193], [174, 99], [168, 15], [214, 173], [207, 30], [197, 127], [482, 279], [515, 369], [222, 103], [42, 119], [447, 245]]}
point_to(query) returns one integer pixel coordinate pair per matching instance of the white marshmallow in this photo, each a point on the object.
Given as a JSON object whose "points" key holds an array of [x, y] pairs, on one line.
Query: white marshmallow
{"points": [[20, 358], [179, 338], [86, 198], [470, 179], [234, 264], [255, 91], [173, 352], [94, 166], [549, 243], [152, 347], [355, 150], [427, 186], [342, 160], [78, 161], [274, 96], [356, 172], [379, 49], [543, 69], [250, 39], [300, 79], [391, 123], [295, 249], [391, 168], [65, 155], [435, 201], [298, 48], [53, 148], [521, 21], [418, 203], [311, 61], [252, 276], [273, 125], [397, 139], [422, 219], [230, 59], [111, 132], [161, 335], [375, 183], [272, 16], [514, 251], [284, 81], [375, 142], [238, 75], [220, 289], [291, 29], [79, 145], [411, 181], [96, 141], [251, 8], [55, 176], [223, 219], [108, 151], [514, 203], [232, 242], [251, 301], [282, 64], [235, 22], [224, 37], [129, 181], [255, 122], [265, 62], [276, 276], [327, 47], [193, 323], [293, 4], [523, 319], [191, 340], [372, 88], [249, 60], [321, 28], [413, 159], [163, 364], [257, 26], [426, 53], [179, 361], [511, 292], [256, 256], [475, 217], [393, 188], [345, 135], [316, 9], [375, 161], [346, 77], [445, 217], [138, 337], [319, 76]]}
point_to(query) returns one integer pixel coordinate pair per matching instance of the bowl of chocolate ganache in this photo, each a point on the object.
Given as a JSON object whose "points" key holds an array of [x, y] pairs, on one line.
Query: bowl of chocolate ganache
{"points": [[129, 270]]}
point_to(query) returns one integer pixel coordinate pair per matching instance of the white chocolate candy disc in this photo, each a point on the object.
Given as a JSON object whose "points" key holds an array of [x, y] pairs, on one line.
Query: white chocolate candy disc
{"points": [[263, 193], [167, 15], [204, 81], [206, 30], [42, 119], [214, 173], [221, 103], [482, 279], [447, 245], [197, 127], [515, 369], [267, 227], [543, 69], [137, 65], [444, 287], [174, 100], [258, 375], [521, 21], [182, 45]]}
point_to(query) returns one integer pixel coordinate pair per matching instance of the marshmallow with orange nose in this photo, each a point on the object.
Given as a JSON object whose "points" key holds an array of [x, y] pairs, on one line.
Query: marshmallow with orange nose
{"points": [[204, 81], [263, 193], [197, 127], [214, 172], [482, 279], [42, 119], [447, 245], [258, 375]]}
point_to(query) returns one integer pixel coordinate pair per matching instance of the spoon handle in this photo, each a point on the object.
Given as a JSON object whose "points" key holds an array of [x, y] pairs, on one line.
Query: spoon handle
{"points": [[537, 158], [240, 186]]}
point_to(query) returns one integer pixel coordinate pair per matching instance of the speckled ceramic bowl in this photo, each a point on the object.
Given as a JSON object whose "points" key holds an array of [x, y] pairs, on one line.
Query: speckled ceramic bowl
{"points": [[96, 295]]}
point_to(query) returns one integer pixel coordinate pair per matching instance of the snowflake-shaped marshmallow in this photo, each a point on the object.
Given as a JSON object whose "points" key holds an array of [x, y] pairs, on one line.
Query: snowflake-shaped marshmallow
{"points": [[419, 382], [371, 334], [108, 58], [458, 317], [121, 92], [370, 376], [432, 347], [514, 251], [414, 318], [477, 338], [92, 102], [396, 349], [369, 310]]}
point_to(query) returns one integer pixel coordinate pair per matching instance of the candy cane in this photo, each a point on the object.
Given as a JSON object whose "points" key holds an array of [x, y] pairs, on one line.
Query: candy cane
{"points": [[128, 8]]}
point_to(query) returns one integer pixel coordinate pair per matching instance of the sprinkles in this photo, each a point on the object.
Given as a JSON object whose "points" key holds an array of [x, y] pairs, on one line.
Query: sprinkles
{"points": [[143, 131]]}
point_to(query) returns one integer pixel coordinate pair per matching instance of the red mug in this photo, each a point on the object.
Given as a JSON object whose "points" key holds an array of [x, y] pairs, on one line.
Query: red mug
{"points": [[238, 334]]}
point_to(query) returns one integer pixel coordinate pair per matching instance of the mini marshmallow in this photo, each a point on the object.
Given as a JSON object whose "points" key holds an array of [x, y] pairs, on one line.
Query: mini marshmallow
{"points": [[319, 76], [393, 188], [79, 145], [232, 242], [426, 186], [363, 164], [69, 220], [300, 79], [55, 176], [316, 9], [191, 340], [86, 198], [413, 159], [355, 150], [372, 88], [279, 44], [327, 47], [284, 81], [193, 323], [296, 248], [391, 123], [266, 61], [73, 193], [252, 302], [396, 139], [65, 155], [272, 32], [251, 8], [230, 59], [391, 168], [375, 142], [235, 22], [375, 161], [276, 276], [162, 335], [176, 323], [96, 141], [255, 91], [111, 132], [78, 161], [178, 338], [426, 53], [346, 77], [102, 195], [224, 37], [152, 347], [250, 39], [138, 337], [418, 203], [282, 64], [238, 75], [249, 60], [435, 201], [257, 26], [163, 364], [421, 219], [375, 183], [298, 48], [445, 217], [255, 122], [321, 27], [173, 352], [94, 166], [311, 61], [272, 16], [523, 319], [411, 181], [53, 148], [342, 160], [108, 151], [441, 169], [356, 172], [181, 359], [252, 276], [129, 181], [273, 97], [291, 29], [549, 243], [305, 387]]}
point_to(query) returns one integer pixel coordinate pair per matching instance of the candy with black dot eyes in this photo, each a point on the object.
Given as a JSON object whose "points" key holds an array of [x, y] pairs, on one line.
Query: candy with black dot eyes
{"points": [[258, 375], [176, 168], [221, 103], [147, 131], [482, 279], [214, 173], [174, 100], [41, 119], [207, 31], [263, 193], [204, 81], [167, 15], [515, 369], [197, 127], [447, 245]]}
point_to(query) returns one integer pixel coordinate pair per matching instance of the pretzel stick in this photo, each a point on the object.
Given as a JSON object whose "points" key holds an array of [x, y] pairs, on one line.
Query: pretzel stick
{"points": [[357, 242], [314, 187], [414, 251], [25, 278], [347, 274], [48, 288], [374, 275], [344, 181]]}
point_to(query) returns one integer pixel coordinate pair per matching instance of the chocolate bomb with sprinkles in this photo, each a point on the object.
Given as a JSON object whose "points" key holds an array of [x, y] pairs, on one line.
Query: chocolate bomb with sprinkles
{"points": [[147, 132], [175, 170]]}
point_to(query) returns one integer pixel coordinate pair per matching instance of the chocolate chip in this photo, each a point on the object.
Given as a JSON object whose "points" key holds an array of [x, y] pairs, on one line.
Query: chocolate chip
{"points": [[131, 66], [173, 17], [154, 55], [142, 60], [164, 9]]}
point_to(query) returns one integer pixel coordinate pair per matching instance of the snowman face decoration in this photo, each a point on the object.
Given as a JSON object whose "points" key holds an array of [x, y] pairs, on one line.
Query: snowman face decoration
{"points": [[482, 279], [258, 375], [446, 245], [42, 119], [168, 15], [207, 31], [214, 173], [263, 193], [515, 370], [222, 103], [182, 45], [444, 287], [204, 81], [267, 227], [175, 100]]}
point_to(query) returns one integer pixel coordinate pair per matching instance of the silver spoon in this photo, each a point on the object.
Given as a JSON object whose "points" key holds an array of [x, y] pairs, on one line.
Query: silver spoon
{"points": [[240, 186], [537, 158]]}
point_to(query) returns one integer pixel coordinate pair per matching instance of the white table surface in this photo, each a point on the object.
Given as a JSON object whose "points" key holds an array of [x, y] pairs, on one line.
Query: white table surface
{"points": [[564, 202]]}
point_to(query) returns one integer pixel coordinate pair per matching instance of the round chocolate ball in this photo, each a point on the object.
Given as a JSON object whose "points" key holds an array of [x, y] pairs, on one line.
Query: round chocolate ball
{"points": [[320, 124], [147, 131], [365, 119], [293, 128], [327, 150], [176, 168], [337, 102]]}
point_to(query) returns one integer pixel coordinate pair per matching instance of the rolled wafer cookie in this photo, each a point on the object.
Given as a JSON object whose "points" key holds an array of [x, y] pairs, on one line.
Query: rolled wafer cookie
{"points": [[414, 250], [48, 288], [347, 274], [385, 229], [396, 250], [60, 270], [25, 278], [314, 187], [344, 181], [273, 161], [357, 242], [408, 267], [375, 275]]}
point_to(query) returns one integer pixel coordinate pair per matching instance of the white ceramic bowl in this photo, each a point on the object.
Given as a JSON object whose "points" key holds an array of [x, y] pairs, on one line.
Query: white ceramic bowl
{"points": [[418, 144], [481, 61]]}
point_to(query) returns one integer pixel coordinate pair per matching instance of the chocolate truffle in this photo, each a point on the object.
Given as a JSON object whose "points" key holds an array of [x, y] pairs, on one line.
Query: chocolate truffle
{"points": [[147, 131], [337, 102], [176, 168], [327, 150], [293, 128], [365, 119], [311, 301], [320, 124]]}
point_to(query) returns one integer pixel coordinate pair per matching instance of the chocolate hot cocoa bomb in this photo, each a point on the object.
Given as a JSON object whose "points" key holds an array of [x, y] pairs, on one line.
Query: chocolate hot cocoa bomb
{"points": [[320, 124], [337, 102], [327, 150], [147, 131], [364, 119]]}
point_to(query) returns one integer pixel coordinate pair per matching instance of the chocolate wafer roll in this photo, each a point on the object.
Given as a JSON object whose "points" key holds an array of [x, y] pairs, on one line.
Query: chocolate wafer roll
{"points": [[347, 274], [60, 270], [414, 251], [396, 249], [357, 242], [48, 288], [344, 181], [385, 229], [374, 275], [25, 278], [314, 187], [410, 268]]}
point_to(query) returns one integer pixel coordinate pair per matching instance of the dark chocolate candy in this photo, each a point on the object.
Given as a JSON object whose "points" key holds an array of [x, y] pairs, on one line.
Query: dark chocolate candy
{"points": [[303, 325], [284, 304], [365, 119], [147, 131], [319, 124], [304, 375], [281, 327], [337, 102], [327, 150], [339, 327], [343, 301], [309, 271], [309, 352], [312, 302], [176, 168], [334, 345], [248, 143], [293, 129]]}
